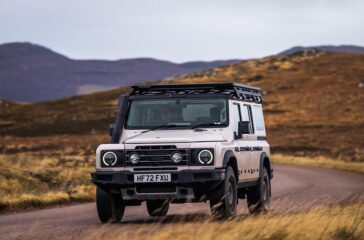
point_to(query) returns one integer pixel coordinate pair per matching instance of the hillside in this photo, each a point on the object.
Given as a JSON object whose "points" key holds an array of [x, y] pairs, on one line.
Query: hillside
{"points": [[32, 73], [313, 104], [326, 48]]}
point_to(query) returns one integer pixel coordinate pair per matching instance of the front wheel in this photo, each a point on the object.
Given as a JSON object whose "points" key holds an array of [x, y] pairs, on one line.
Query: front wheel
{"points": [[223, 201], [110, 207], [258, 197], [157, 208]]}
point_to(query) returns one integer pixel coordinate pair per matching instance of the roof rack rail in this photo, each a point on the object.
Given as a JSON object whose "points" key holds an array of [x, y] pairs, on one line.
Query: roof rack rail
{"points": [[232, 90]]}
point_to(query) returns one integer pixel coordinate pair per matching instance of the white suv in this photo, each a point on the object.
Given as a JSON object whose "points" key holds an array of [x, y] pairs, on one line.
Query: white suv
{"points": [[185, 143]]}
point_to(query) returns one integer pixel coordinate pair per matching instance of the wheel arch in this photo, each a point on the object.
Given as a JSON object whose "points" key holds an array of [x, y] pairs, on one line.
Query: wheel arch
{"points": [[230, 160], [265, 162]]}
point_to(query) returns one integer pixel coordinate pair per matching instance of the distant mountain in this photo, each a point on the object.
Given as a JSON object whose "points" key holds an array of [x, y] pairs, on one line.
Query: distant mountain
{"points": [[327, 48], [32, 73]]}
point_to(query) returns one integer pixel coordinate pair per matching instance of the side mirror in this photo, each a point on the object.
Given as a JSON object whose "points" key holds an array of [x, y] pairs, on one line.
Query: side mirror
{"points": [[111, 129], [244, 127]]}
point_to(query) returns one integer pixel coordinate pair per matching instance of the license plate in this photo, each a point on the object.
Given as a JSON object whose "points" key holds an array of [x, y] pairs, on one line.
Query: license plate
{"points": [[157, 177]]}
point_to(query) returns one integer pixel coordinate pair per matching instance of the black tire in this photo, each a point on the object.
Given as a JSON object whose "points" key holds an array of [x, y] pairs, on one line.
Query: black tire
{"points": [[157, 208], [110, 207], [258, 197], [223, 201]]}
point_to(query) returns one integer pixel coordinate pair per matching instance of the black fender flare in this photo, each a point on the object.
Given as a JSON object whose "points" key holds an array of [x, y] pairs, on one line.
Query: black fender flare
{"points": [[227, 156], [230, 155], [265, 162]]}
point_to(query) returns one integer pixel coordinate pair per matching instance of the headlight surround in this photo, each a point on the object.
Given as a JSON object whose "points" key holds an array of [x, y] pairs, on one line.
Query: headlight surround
{"points": [[134, 158], [205, 157], [202, 157], [107, 158]]}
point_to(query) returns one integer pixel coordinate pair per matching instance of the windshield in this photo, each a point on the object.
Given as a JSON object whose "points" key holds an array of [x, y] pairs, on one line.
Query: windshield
{"points": [[146, 114]]}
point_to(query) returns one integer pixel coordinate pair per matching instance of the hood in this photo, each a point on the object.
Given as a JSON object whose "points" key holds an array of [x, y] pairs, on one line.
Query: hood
{"points": [[176, 136]]}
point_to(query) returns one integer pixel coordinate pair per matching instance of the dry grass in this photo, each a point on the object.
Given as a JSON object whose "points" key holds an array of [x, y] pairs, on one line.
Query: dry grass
{"points": [[36, 173], [30, 181], [323, 162], [318, 223]]}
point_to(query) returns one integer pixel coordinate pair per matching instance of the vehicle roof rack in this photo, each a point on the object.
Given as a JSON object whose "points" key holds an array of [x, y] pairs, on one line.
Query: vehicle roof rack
{"points": [[232, 90]]}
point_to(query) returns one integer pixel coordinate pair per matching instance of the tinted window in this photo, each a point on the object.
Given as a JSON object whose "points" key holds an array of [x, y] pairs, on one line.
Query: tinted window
{"points": [[245, 113], [258, 118], [247, 116]]}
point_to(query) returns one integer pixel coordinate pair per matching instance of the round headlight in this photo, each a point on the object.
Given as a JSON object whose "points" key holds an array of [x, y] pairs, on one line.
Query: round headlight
{"points": [[109, 159], [176, 157], [205, 157], [134, 158]]}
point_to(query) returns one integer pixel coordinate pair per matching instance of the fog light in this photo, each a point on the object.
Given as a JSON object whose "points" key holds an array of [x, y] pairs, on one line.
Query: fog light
{"points": [[134, 158], [176, 157]]}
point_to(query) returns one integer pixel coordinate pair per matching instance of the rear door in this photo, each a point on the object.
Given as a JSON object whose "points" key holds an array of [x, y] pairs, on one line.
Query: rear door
{"points": [[259, 132], [248, 141]]}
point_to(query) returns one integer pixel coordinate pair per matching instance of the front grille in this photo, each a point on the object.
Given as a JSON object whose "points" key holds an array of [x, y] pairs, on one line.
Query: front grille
{"points": [[157, 155]]}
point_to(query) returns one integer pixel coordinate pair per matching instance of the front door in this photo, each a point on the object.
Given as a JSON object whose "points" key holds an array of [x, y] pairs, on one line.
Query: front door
{"points": [[242, 150]]}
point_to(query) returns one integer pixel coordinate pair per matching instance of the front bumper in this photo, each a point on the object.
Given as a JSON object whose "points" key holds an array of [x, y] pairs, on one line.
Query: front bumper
{"points": [[184, 185]]}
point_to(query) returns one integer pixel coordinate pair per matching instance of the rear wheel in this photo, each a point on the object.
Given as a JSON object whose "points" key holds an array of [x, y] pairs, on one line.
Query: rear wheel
{"points": [[110, 207], [157, 208], [258, 197], [223, 201]]}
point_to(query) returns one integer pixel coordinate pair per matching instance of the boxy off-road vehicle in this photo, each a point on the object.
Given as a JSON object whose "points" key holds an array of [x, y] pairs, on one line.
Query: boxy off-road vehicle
{"points": [[185, 143]]}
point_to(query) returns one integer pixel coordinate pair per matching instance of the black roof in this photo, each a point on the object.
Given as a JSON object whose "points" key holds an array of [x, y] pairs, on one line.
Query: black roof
{"points": [[232, 90]]}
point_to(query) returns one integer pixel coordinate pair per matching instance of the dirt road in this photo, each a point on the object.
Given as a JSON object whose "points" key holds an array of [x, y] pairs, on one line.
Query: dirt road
{"points": [[294, 188]]}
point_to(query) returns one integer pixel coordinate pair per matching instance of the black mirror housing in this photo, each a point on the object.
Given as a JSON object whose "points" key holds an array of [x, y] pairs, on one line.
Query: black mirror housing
{"points": [[244, 127]]}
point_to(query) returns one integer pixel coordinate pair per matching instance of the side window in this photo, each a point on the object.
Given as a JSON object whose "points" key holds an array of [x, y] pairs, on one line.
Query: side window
{"points": [[258, 119], [247, 117], [236, 117]]}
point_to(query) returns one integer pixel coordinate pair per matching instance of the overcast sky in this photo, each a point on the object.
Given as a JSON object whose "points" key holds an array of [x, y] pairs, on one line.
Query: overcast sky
{"points": [[180, 30]]}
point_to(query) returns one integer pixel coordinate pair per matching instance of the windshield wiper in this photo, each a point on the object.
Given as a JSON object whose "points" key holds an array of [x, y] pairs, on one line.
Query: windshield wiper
{"points": [[153, 128], [206, 125], [161, 126]]}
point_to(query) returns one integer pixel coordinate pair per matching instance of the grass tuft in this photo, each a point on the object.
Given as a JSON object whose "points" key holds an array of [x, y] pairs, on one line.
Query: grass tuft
{"points": [[343, 233], [279, 235]]}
